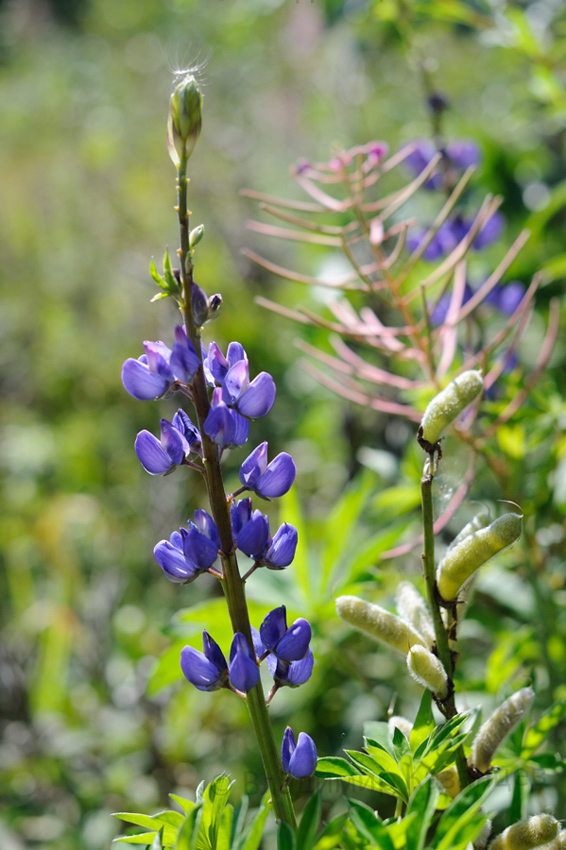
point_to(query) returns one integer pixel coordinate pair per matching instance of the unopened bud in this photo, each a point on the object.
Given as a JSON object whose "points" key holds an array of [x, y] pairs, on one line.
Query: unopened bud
{"points": [[196, 235], [476, 549], [498, 726], [413, 609], [428, 670], [185, 119], [447, 406], [527, 834], [214, 306], [378, 623], [200, 305]]}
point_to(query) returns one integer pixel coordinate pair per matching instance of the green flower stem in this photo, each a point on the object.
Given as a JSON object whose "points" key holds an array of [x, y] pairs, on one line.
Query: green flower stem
{"points": [[444, 653], [232, 583]]}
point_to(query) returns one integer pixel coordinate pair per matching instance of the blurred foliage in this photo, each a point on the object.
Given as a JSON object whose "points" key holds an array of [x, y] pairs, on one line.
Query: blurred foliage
{"points": [[89, 723]]}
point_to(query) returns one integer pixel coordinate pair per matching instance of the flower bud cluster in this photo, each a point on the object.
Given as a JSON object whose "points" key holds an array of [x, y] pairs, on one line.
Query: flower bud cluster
{"points": [[287, 651]]}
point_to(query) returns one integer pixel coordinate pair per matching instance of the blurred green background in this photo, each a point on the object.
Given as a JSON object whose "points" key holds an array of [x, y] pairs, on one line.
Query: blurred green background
{"points": [[89, 724]]}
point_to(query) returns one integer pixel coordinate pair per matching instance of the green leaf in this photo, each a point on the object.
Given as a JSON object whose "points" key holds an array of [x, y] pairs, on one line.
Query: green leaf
{"points": [[380, 764], [333, 833], [138, 819], [186, 805], [422, 805], [400, 745], [521, 788], [369, 824], [251, 838], [156, 844], [188, 833], [461, 812], [285, 837], [424, 722], [214, 798], [223, 838], [334, 767], [156, 276], [377, 734], [140, 838], [370, 551], [170, 280], [538, 733], [308, 827]]}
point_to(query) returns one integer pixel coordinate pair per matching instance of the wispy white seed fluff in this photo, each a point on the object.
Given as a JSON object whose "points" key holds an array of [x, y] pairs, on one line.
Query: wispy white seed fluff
{"points": [[498, 726], [378, 623], [427, 669], [448, 404], [474, 550], [480, 843], [449, 781], [397, 722], [527, 834], [414, 610]]}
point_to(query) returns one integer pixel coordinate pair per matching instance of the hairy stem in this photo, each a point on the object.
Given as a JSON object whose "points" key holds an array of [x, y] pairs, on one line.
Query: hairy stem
{"points": [[448, 706], [232, 583]]}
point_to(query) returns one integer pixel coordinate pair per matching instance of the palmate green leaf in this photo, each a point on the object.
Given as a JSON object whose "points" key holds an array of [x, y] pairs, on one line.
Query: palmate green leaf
{"points": [[459, 819], [379, 764], [422, 805], [370, 825], [335, 767], [401, 746], [141, 838], [537, 734], [310, 819], [251, 836], [186, 805], [376, 733]]}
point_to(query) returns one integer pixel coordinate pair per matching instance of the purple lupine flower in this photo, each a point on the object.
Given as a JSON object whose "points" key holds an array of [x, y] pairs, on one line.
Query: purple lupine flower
{"points": [[422, 153], [160, 368], [463, 153], [189, 431], [506, 298], [207, 671], [252, 399], [240, 513], [298, 757], [282, 548], [253, 538], [288, 644], [189, 551], [291, 673], [244, 670], [490, 232], [158, 457], [225, 426], [438, 315], [267, 480]]}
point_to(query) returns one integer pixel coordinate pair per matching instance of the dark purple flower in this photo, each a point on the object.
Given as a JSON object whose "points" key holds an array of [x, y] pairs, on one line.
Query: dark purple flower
{"points": [[199, 304], [438, 315], [282, 548], [288, 644], [267, 480], [191, 434], [291, 673], [207, 671], [160, 368], [244, 670], [240, 513], [253, 538], [298, 757], [225, 426]]}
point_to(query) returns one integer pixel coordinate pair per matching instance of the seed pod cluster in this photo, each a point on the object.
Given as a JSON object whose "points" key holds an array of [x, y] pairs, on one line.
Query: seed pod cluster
{"points": [[498, 726], [527, 834], [447, 406], [474, 550]]}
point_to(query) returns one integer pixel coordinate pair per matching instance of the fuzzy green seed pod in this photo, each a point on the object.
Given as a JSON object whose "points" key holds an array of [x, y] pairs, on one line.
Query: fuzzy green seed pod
{"points": [[414, 610], [527, 834], [427, 669], [481, 520], [464, 559], [559, 842], [449, 781], [397, 722], [185, 119], [447, 406], [498, 726], [378, 623]]}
